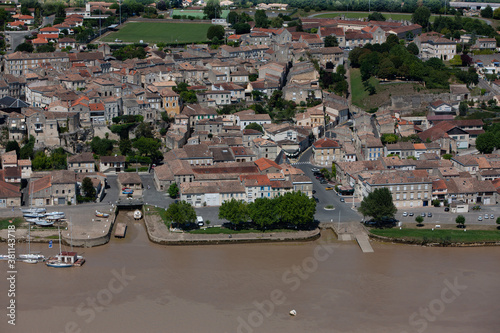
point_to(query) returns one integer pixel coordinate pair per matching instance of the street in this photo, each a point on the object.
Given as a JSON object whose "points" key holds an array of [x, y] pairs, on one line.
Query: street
{"points": [[439, 216]]}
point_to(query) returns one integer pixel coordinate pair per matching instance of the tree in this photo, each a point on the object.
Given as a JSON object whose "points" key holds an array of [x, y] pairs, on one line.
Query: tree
{"points": [[13, 145], [419, 219], [296, 208], [101, 146], [88, 188], [25, 47], [181, 213], [413, 48], [26, 151], [242, 28], [331, 41], [487, 12], [40, 161], [235, 211], [421, 16], [376, 16], [447, 156], [277, 22], [460, 220], [262, 212], [173, 190], [212, 10], [496, 13], [255, 126], [261, 20], [436, 203], [58, 159], [161, 5], [498, 222], [148, 147], [215, 31], [334, 171], [486, 142], [189, 96], [131, 51], [456, 60], [144, 130], [125, 146], [378, 204], [463, 108], [232, 18], [389, 138]]}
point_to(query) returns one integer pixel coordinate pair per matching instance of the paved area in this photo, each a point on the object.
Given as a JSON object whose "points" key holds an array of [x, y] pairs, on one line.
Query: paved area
{"points": [[439, 216]]}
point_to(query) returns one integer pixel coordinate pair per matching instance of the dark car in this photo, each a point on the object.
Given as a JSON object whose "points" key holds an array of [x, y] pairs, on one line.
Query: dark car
{"points": [[314, 191], [446, 209], [342, 200], [323, 181], [429, 215], [410, 214]]}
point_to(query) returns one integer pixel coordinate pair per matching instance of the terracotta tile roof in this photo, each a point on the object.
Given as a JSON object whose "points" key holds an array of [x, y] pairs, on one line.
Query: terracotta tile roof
{"points": [[264, 164], [9, 190], [326, 143], [129, 178]]}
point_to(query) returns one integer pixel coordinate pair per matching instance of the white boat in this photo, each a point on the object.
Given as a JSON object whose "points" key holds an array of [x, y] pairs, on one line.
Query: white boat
{"points": [[33, 256], [293, 313], [4, 257], [99, 214], [33, 210], [55, 214], [65, 259], [30, 261], [137, 214], [54, 217], [44, 223], [33, 215]]}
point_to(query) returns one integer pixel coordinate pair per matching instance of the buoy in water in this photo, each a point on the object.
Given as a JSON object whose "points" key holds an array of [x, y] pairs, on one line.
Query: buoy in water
{"points": [[293, 313]]}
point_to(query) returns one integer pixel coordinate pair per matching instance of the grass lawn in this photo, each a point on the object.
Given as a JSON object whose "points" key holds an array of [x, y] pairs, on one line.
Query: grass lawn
{"points": [[4, 223], [155, 32], [438, 236], [359, 93], [196, 13], [219, 230], [357, 15]]}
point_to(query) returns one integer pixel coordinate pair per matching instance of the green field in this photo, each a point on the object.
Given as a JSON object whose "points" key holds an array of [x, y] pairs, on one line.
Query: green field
{"points": [[4, 223], [438, 236], [394, 16], [358, 90], [155, 32], [219, 230], [196, 13]]}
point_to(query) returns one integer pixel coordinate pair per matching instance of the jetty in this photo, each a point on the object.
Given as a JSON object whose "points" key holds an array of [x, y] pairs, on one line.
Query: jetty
{"points": [[121, 229]]}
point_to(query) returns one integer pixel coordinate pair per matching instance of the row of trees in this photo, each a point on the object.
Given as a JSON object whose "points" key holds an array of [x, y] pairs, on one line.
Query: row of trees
{"points": [[294, 209]]}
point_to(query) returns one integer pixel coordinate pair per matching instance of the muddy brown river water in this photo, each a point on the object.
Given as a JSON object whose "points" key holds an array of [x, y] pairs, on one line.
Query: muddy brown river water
{"points": [[132, 285]]}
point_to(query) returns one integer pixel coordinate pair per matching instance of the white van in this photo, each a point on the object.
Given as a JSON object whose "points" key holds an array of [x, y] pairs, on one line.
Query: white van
{"points": [[199, 220]]}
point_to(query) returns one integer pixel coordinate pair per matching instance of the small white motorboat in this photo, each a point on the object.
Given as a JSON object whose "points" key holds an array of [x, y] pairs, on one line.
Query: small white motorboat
{"points": [[33, 215], [293, 313], [30, 261], [54, 214], [32, 256], [33, 210], [137, 214], [44, 223], [54, 217]]}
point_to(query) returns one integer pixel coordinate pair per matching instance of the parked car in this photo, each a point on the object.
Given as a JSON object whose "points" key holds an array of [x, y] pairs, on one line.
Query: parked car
{"points": [[342, 200], [315, 170], [199, 220], [423, 214], [480, 218], [323, 181], [446, 209], [405, 214], [486, 216], [314, 191], [410, 214], [492, 217], [429, 215], [328, 188]]}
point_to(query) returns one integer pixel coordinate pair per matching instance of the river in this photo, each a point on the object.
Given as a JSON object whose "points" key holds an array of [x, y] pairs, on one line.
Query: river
{"points": [[132, 285]]}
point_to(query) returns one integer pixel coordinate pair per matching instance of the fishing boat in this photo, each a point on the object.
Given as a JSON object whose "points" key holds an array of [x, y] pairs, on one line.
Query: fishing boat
{"points": [[4, 257], [137, 214], [99, 214], [44, 223], [33, 215], [31, 258], [33, 210], [127, 191], [65, 259], [35, 220], [55, 214], [54, 217]]}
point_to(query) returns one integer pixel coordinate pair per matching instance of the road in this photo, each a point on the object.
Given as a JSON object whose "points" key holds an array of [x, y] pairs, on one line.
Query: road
{"points": [[343, 210], [439, 216]]}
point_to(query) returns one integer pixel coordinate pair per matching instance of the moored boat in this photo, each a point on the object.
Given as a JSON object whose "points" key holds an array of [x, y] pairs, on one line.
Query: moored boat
{"points": [[99, 214], [137, 214], [44, 223], [55, 214], [127, 191], [33, 210]]}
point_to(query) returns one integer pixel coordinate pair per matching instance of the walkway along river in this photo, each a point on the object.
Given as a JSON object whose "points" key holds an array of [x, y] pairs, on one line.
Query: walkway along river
{"points": [[133, 285]]}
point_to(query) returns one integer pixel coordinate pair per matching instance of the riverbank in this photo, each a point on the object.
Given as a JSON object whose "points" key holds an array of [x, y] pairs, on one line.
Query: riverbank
{"points": [[438, 237], [159, 233]]}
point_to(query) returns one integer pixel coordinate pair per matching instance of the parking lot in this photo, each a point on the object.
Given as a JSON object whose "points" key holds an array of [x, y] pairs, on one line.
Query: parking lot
{"points": [[439, 216]]}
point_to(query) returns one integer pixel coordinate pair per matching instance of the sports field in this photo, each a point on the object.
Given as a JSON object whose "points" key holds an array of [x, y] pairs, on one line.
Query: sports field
{"points": [[196, 13], [394, 16], [155, 32]]}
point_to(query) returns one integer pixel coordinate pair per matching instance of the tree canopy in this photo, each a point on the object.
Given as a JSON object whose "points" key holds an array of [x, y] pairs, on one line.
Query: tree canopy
{"points": [[235, 211], [215, 31], [255, 126], [212, 10], [88, 188], [296, 208], [181, 213], [261, 20], [262, 212], [421, 16], [378, 204]]}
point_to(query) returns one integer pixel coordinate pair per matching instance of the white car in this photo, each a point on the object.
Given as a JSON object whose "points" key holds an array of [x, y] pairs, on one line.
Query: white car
{"points": [[480, 218], [405, 214], [199, 220]]}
